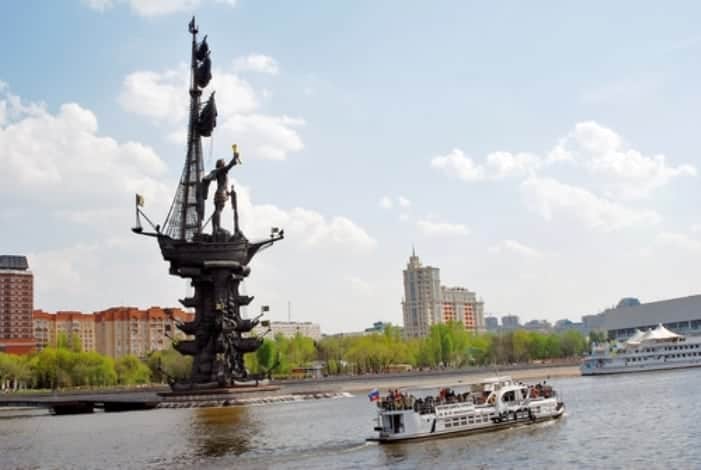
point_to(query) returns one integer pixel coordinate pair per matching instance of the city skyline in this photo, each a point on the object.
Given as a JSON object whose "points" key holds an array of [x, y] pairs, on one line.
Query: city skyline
{"points": [[551, 173]]}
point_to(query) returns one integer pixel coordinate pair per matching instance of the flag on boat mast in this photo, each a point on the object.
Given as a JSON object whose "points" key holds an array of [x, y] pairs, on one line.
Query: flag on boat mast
{"points": [[374, 394], [139, 200]]}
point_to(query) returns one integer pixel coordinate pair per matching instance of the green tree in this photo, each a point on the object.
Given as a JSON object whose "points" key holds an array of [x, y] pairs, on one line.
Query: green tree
{"points": [[520, 340], [266, 355], [597, 337], [572, 343], [168, 363], [131, 371]]}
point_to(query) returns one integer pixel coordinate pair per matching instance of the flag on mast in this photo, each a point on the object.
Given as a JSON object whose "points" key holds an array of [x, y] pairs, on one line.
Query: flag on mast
{"points": [[374, 394]]}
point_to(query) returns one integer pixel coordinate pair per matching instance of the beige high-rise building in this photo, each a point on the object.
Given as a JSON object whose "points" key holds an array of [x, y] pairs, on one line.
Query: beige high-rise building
{"points": [[422, 305], [427, 303]]}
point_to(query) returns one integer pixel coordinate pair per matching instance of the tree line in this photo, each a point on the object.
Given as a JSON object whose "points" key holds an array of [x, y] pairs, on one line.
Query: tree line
{"points": [[447, 345], [65, 366]]}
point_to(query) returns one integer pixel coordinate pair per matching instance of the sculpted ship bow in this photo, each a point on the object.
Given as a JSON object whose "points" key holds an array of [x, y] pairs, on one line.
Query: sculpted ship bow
{"points": [[215, 261]]}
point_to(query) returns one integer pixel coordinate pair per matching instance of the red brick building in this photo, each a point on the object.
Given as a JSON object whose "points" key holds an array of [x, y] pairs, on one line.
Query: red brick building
{"points": [[127, 330], [115, 332], [48, 327], [16, 305]]}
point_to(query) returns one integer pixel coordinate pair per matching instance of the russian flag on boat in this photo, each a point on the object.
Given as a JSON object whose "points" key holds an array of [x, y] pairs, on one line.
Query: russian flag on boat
{"points": [[374, 394]]}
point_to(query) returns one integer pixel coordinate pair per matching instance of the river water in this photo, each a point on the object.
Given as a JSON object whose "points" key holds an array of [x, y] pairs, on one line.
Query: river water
{"points": [[650, 420]]}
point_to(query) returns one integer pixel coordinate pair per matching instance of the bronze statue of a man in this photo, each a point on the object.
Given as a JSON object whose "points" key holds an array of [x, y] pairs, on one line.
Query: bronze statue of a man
{"points": [[220, 174]]}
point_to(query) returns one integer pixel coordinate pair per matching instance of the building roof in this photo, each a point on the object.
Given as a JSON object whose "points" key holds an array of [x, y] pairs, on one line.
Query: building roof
{"points": [[653, 313], [658, 334], [16, 263], [635, 339], [116, 314]]}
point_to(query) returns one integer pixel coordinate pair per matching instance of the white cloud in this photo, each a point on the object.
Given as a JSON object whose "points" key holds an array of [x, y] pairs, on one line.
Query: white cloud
{"points": [[307, 226], [388, 202], [458, 164], [59, 160], [257, 63], [497, 165], [438, 229], [680, 240], [505, 164], [696, 228], [546, 197], [622, 171], [629, 173], [163, 97], [263, 136], [514, 247], [153, 7]]}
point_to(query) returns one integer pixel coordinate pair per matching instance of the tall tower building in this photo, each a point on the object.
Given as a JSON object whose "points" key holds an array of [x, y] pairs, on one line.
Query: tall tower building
{"points": [[422, 305], [16, 304], [427, 303]]}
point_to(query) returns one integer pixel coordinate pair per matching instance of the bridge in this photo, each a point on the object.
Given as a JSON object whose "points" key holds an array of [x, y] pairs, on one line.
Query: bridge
{"points": [[75, 403]]}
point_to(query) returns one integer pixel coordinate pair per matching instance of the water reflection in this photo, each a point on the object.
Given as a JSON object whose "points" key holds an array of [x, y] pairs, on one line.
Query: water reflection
{"points": [[394, 453], [219, 431]]}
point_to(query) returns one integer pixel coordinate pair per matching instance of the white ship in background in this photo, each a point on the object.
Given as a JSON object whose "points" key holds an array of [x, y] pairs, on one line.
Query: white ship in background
{"points": [[656, 349]]}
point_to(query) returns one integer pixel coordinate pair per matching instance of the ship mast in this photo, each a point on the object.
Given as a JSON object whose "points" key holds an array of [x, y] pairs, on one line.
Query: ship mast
{"points": [[184, 220]]}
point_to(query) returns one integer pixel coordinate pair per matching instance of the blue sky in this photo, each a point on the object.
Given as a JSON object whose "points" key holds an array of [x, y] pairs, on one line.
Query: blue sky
{"points": [[545, 154]]}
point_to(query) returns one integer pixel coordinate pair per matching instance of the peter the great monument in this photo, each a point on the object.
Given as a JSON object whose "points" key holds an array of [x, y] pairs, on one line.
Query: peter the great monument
{"points": [[216, 262]]}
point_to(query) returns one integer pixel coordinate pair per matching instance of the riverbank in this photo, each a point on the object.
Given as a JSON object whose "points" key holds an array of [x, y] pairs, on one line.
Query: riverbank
{"points": [[446, 378], [329, 387]]}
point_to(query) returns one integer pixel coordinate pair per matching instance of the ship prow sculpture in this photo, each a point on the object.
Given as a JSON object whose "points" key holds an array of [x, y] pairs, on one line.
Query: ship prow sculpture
{"points": [[216, 262]]}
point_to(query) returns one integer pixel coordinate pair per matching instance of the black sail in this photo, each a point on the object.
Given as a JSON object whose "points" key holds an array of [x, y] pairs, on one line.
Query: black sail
{"points": [[202, 50], [203, 73], [208, 118]]}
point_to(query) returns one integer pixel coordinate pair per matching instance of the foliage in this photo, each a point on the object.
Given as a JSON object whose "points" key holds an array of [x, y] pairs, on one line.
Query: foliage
{"points": [[131, 371], [65, 367], [168, 363], [447, 345]]}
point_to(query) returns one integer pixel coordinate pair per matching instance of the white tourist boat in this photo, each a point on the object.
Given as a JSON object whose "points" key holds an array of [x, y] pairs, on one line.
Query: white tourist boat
{"points": [[493, 404], [655, 349]]}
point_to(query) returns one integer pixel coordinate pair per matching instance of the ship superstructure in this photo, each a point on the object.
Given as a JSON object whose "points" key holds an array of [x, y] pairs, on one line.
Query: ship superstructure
{"points": [[655, 349]]}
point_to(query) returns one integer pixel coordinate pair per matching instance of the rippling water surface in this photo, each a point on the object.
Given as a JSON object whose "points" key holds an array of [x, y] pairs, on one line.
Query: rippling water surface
{"points": [[649, 420]]}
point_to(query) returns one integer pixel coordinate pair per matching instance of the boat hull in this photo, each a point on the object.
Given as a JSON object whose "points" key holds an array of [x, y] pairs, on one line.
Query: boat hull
{"points": [[638, 369], [465, 432]]}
